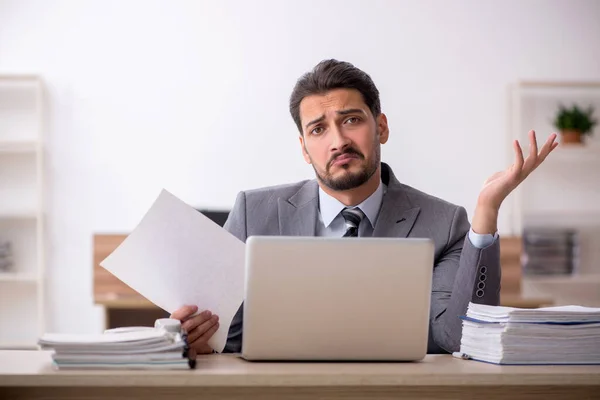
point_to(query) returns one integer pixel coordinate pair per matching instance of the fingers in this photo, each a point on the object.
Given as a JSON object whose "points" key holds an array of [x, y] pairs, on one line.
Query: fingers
{"points": [[210, 333], [201, 347], [518, 156], [547, 148], [205, 330], [184, 312], [533, 147], [200, 328], [535, 157], [193, 322], [532, 158]]}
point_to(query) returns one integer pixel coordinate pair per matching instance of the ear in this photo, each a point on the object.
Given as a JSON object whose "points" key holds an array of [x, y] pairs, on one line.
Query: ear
{"points": [[384, 130], [304, 152]]}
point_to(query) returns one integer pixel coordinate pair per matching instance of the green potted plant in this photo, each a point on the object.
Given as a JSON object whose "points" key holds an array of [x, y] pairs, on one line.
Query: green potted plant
{"points": [[573, 123]]}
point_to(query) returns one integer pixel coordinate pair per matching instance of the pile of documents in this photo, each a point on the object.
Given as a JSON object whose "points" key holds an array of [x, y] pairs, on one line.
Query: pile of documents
{"points": [[5, 256], [551, 335], [123, 348]]}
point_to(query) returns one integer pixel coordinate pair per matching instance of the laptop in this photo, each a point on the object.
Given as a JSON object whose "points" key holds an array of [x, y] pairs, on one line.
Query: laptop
{"points": [[337, 299]]}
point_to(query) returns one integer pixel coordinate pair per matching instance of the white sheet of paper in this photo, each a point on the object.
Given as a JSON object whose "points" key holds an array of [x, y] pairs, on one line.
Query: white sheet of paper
{"points": [[177, 256]]}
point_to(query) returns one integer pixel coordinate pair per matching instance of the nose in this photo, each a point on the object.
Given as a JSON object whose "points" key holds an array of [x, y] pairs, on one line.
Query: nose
{"points": [[339, 140]]}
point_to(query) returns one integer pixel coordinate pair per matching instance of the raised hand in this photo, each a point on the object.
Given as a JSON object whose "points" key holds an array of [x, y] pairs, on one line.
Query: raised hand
{"points": [[498, 186]]}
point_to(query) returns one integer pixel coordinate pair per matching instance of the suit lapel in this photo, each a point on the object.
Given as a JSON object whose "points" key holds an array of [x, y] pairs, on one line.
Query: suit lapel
{"points": [[298, 214], [397, 215]]}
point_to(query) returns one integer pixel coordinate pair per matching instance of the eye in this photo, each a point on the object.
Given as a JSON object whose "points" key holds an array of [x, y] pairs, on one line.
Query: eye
{"points": [[317, 131], [353, 120]]}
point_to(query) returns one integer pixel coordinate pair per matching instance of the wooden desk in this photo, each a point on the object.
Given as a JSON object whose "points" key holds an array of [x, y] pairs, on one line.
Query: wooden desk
{"points": [[30, 375]]}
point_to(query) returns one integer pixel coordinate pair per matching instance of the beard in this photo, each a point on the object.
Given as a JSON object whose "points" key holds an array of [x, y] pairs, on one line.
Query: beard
{"points": [[350, 180]]}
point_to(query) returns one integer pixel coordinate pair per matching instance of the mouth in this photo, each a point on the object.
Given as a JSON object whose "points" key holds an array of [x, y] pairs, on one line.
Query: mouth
{"points": [[344, 159]]}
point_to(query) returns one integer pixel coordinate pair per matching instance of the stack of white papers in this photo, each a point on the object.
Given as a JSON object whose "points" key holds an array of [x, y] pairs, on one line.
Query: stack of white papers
{"points": [[550, 335], [149, 348]]}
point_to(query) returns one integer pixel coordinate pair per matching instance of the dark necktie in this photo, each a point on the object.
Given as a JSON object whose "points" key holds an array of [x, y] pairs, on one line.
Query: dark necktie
{"points": [[352, 216]]}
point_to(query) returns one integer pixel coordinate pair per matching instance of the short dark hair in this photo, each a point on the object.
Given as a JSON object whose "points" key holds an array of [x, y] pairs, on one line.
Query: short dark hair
{"points": [[329, 75]]}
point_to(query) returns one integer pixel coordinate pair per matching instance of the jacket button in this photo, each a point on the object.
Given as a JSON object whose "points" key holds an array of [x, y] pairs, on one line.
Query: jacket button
{"points": [[479, 293]]}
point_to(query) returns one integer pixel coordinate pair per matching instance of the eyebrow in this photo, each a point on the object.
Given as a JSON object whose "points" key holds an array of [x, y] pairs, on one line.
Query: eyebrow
{"points": [[314, 121], [341, 112], [351, 111]]}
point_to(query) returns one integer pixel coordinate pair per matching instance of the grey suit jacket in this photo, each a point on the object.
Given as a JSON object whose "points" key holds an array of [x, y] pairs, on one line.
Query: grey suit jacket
{"points": [[461, 272]]}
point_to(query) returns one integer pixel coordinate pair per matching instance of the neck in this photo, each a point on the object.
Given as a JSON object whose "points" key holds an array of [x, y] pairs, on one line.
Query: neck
{"points": [[357, 195]]}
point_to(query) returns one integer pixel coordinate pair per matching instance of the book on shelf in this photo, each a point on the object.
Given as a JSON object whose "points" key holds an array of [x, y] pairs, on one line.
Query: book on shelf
{"points": [[550, 251], [6, 260]]}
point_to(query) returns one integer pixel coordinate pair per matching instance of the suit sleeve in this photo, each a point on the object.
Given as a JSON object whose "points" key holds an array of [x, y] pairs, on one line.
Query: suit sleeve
{"points": [[236, 225], [236, 221], [462, 274]]}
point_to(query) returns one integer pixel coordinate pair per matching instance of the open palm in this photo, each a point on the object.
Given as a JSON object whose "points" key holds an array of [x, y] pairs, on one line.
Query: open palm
{"points": [[498, 186]]}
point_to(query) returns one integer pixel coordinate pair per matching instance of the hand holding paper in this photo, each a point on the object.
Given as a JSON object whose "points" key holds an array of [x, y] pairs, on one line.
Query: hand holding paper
{"points": [[176, 256], [200, 327]]}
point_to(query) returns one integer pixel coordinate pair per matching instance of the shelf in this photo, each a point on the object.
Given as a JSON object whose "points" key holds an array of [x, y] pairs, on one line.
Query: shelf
{"points": [[562, 219], [575, 153], [577, 279], [580, 289], [20, 185], [564, 89], [560, 84], [17, 277], [18, 345], [22, 199], [18, 147], [18, 77], [18, 215]]}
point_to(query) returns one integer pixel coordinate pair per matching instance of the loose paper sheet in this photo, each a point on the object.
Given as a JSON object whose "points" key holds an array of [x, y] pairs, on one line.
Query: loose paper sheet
{"points": [[177, 256]]}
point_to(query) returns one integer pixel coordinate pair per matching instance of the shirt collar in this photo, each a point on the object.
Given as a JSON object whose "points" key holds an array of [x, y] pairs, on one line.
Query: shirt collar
{"points": [[330, 207]]}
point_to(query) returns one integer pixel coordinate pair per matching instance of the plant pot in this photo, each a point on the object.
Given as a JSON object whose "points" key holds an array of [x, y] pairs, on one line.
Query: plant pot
{"points": [[571, 137]]}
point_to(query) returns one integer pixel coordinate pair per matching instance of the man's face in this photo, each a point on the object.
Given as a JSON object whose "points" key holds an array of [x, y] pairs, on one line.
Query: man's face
{"points": [[341, 138]]}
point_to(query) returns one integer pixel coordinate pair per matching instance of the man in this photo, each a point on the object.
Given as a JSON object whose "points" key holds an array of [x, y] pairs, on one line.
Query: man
{"points": [[338, 114]]}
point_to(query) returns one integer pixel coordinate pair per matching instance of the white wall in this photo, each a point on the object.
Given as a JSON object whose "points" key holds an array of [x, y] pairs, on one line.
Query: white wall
{"points": [[192, 96]]}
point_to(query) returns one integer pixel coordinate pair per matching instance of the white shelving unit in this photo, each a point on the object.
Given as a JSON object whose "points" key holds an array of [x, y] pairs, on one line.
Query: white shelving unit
{"points": [[565, 190], [22, 314]]}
